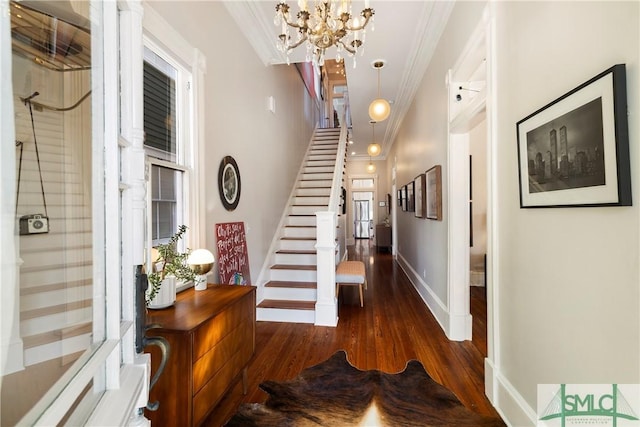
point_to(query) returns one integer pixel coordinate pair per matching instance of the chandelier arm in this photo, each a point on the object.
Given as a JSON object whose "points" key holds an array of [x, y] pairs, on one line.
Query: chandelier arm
{"points": [[295, 45], [359, 27], [346, 47]]}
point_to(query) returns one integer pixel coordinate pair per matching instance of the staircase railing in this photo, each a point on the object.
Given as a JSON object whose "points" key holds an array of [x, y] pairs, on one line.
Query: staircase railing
{"points": [[326, 242]]}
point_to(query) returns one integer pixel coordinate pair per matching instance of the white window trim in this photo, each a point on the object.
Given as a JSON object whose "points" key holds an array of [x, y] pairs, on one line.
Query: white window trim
{"points": [[113, 332], [185, 110], [157, 32]]}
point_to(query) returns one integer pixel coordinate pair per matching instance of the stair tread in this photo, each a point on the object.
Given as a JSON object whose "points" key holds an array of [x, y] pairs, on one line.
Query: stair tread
{"points": [[285, 304], [285, 284], [296, 252], [304, 267]]}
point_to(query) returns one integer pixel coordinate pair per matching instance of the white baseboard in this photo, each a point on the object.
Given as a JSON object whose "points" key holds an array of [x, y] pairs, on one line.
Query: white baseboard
{"points": [[456, 327], [510, 404]]}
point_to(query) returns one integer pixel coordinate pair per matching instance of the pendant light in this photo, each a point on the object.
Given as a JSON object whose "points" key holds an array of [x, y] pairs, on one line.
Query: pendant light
{"points": [[379, 109], [373, 149]]}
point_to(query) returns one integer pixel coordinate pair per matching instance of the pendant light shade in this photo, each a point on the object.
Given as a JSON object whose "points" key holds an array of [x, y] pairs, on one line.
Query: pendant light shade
{"points": [[374, 149], [379, 109], [371, 168]]}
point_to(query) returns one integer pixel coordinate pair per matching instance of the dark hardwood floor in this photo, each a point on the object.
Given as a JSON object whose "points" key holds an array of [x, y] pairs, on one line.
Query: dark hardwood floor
{"points": [[393, 327]]}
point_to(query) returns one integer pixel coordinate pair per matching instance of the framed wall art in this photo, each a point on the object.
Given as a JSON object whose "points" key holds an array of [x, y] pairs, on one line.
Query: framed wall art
{"points": [[419, 184], [229, 183], [433, 193], [411, 201], [400, 197], [574, 151], [404, 198]]}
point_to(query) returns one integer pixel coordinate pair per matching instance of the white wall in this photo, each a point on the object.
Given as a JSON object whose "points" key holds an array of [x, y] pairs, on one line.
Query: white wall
{"points": [[478, 153], [267, 147], [569, 283], [420, 145]]}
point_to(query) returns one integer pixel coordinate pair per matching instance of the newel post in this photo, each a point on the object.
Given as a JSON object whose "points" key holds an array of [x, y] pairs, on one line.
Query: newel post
{"points": [[326, 302]]}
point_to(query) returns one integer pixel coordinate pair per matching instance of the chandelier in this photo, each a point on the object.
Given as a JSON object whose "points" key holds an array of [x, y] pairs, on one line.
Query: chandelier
{"points": [[329, 23]]}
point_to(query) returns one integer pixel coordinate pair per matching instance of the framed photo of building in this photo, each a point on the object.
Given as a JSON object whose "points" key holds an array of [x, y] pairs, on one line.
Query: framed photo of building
{"points": [[419, 185], [405, 204], [574, 151], [411, 201], [433, 187]]}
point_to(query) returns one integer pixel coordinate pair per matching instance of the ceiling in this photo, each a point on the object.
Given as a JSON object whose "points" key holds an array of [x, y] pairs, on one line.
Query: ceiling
{"points": [[404, 34]]}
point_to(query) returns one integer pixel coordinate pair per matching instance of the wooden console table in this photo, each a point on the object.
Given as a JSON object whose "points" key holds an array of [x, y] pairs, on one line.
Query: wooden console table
{"points": [[212, 339]]}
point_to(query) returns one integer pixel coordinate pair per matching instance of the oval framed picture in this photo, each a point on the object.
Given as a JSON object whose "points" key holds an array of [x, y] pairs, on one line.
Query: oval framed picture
{"points": [[229, 183]]}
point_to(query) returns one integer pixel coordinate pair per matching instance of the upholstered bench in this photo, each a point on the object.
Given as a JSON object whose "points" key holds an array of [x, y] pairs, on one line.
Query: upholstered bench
{"points": [[351, 273]]}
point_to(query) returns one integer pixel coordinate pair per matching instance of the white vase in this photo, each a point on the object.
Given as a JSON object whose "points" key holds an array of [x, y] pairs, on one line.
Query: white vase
{"points": [[166, 295]]}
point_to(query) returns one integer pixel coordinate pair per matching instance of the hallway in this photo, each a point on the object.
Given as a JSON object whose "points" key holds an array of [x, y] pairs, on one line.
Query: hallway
{"points": [[393, 327]]}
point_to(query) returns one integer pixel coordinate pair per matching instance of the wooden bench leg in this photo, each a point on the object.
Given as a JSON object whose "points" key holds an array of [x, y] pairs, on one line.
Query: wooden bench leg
{"points": [[361, 297]]}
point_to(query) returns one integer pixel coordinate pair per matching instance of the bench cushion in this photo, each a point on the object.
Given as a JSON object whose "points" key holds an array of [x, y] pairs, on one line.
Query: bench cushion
{"points": [[350, 272]]}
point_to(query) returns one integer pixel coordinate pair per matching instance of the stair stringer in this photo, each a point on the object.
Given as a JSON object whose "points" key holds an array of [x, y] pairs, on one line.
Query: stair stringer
{"points": [[266, 272]]}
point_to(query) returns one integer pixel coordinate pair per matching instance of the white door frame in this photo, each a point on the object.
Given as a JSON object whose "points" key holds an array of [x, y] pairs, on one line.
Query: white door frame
{"points": [[474, 72]]}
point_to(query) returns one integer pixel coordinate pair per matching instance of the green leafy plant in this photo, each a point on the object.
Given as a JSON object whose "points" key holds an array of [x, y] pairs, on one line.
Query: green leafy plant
{"points": [[170, 262]]}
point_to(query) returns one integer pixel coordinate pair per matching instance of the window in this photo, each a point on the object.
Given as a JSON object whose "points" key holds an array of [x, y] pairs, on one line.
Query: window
{"points": [[167, 112], [362, 183], [66, 350]]}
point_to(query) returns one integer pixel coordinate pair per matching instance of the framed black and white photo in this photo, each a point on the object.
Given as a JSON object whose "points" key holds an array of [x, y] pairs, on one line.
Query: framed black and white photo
{"points": [[575, 150], [433, 193], [419, 185], [404, 198], [229, 183], [411, 201], [400, 197]]}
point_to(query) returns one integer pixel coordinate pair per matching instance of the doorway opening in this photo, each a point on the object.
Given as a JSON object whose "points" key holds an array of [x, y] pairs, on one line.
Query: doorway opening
{"points": [[363, 214]]}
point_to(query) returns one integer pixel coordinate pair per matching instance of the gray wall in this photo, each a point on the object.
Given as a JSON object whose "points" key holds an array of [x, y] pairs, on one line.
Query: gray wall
{"points": [[267, 147], [567, 279]]}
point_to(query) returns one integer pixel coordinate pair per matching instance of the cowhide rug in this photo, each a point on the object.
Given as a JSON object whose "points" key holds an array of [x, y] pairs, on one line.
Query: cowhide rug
{"points": [[334, 393]]}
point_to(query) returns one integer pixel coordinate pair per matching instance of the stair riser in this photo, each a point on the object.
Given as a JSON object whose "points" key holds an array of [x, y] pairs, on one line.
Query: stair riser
{"points": [[49, 277], [309, 233], [294, 275], [322, 156], [321, 192], [55, 240], [57, 257], [318, 169], [57, 297], [315, 184], [282, 315], [295, 259], [303, 245], [54, 321], [315, 201], [302, 220], [307, 210], [317, 176], [330, 163], [290, 294]]}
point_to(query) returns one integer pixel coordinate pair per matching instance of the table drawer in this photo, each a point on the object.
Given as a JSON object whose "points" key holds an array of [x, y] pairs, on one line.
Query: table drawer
{"points": [[211, 362], [211, 332], [214, 389]]}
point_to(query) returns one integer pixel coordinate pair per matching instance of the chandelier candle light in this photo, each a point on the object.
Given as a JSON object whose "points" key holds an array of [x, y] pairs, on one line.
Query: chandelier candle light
{"points": [[327, 24]]}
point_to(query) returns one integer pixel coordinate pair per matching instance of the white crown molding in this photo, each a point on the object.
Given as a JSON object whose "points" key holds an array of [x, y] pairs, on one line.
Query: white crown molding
{"points": [[260, 32], [434, 19]]}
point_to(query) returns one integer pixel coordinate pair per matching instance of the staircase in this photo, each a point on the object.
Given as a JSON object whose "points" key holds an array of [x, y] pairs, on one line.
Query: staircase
{"points": [[290, 292]]}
